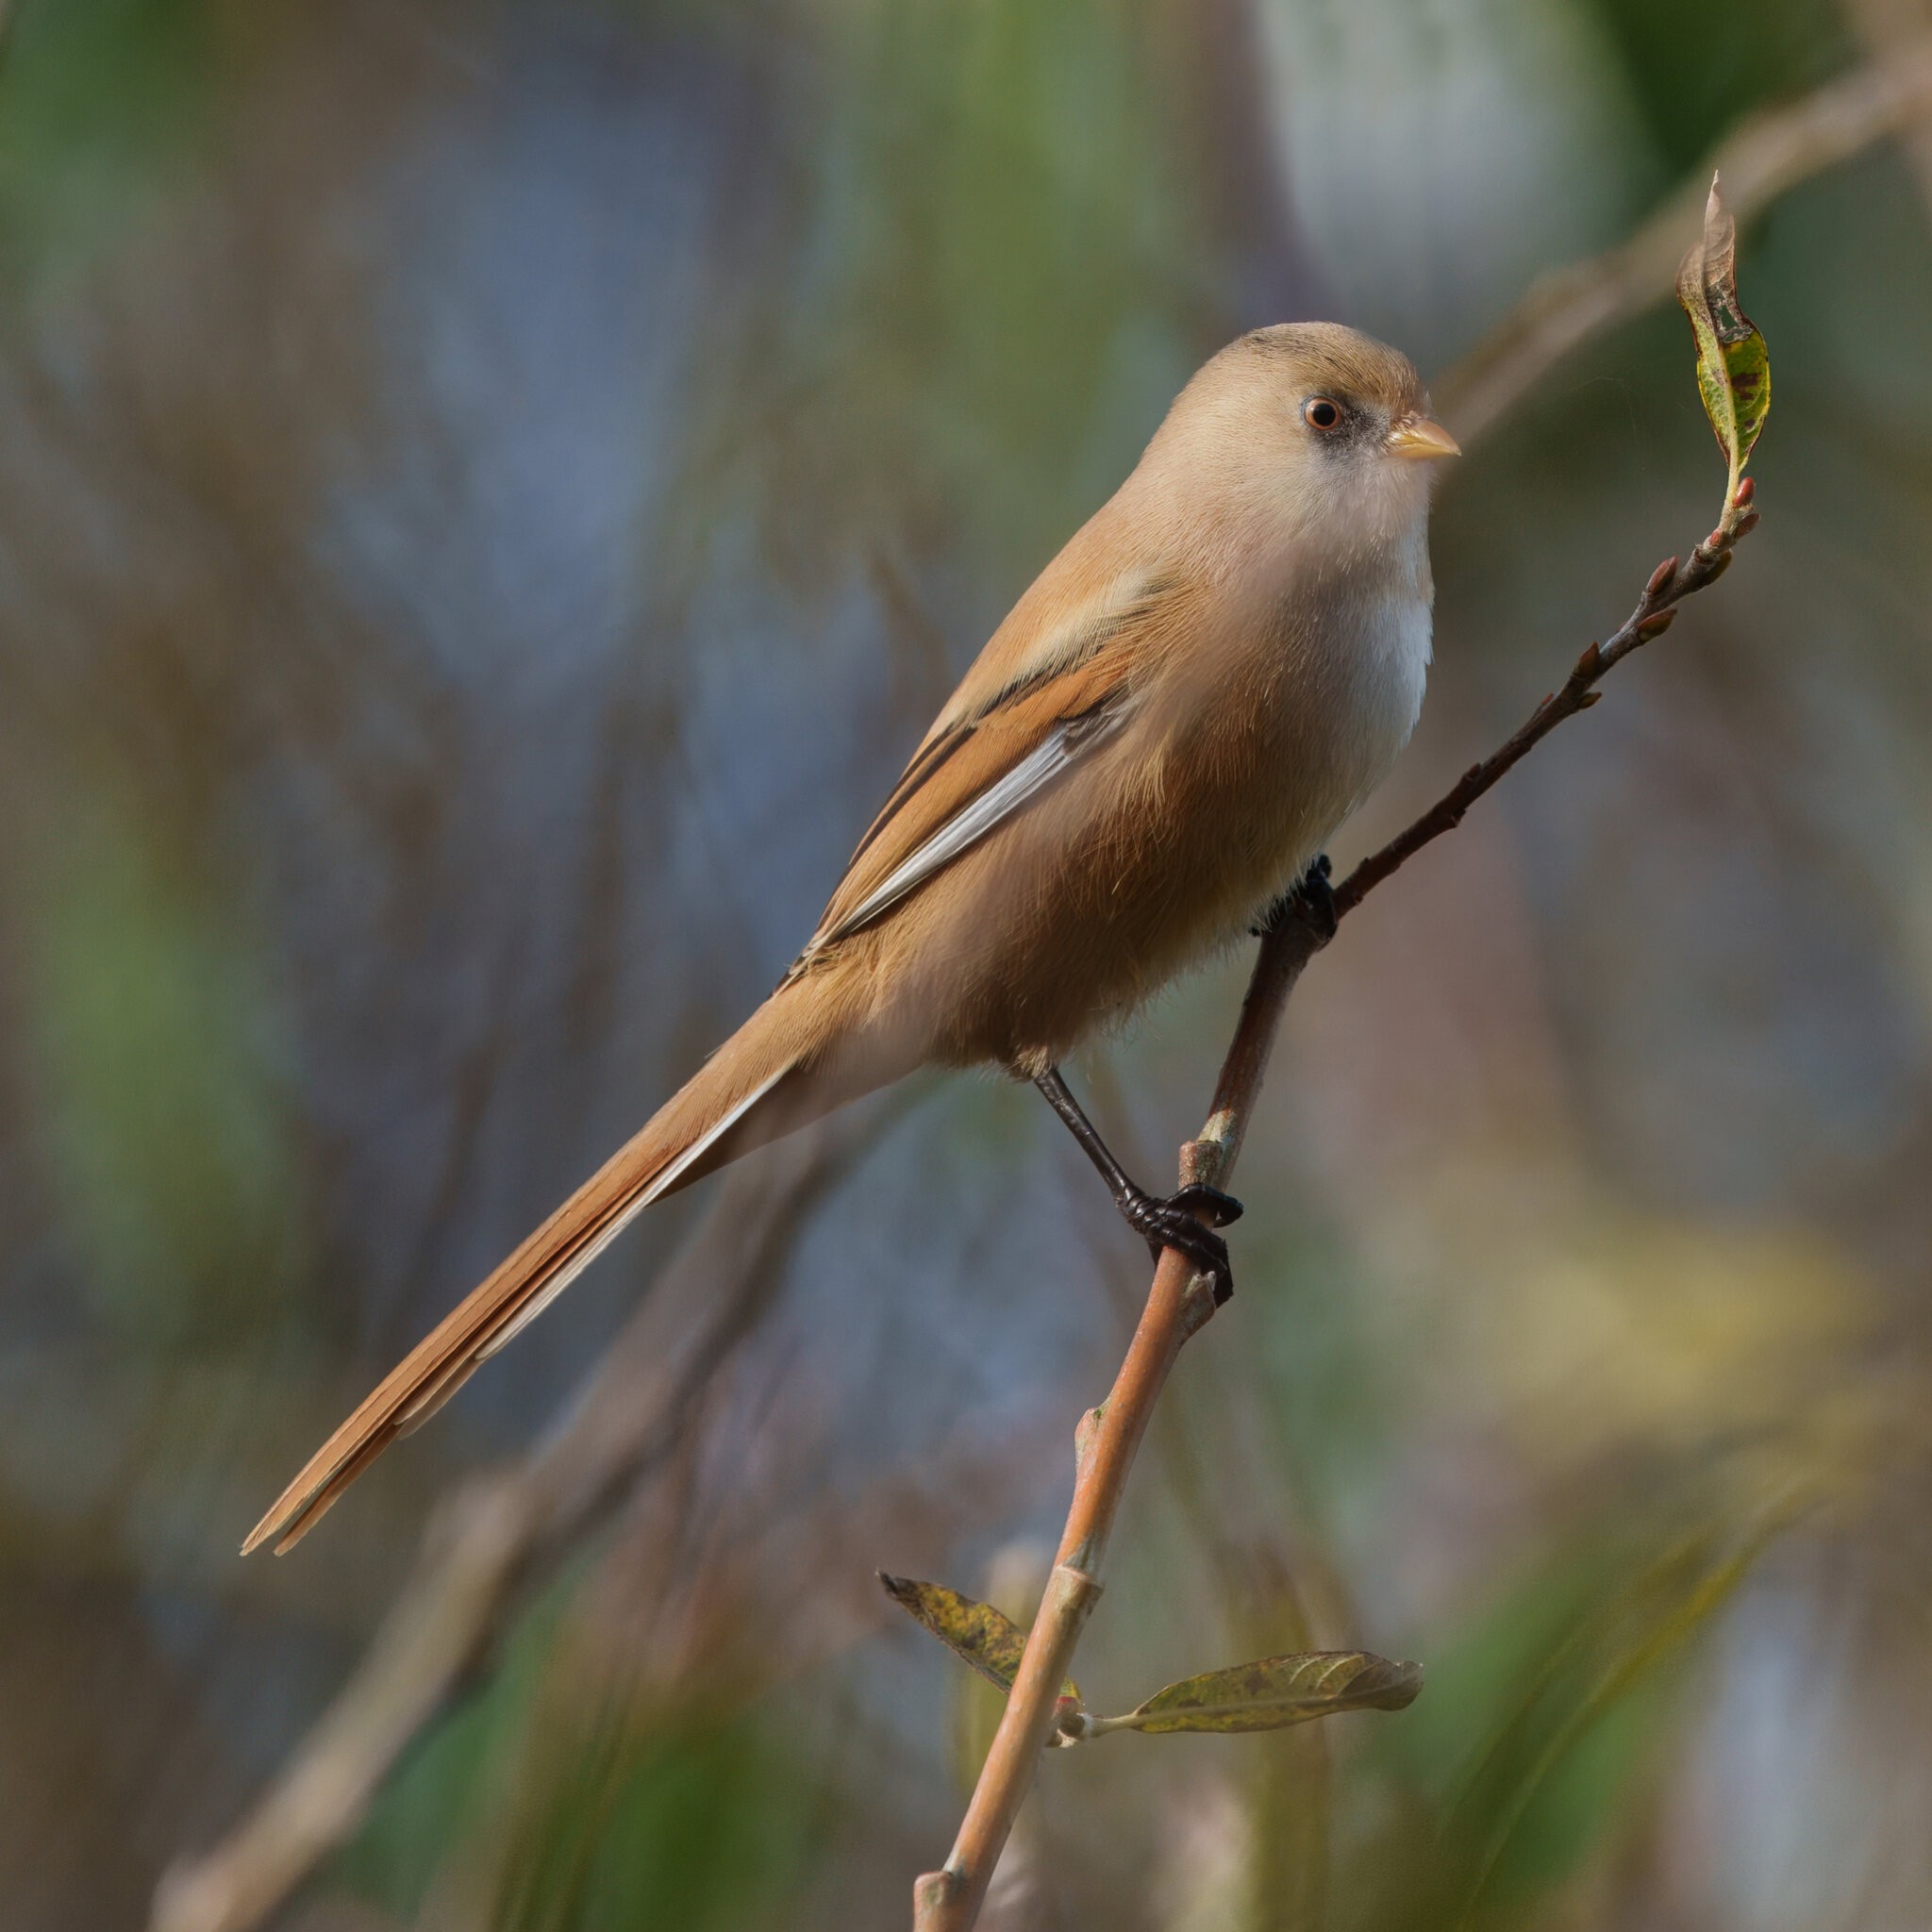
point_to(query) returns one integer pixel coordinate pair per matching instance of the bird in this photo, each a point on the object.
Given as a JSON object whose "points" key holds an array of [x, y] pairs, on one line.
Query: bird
{"points": [[1148, 753]]}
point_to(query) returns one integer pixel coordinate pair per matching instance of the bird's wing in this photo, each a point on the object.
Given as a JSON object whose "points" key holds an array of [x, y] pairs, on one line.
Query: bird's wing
{"points": [[994, 750]]}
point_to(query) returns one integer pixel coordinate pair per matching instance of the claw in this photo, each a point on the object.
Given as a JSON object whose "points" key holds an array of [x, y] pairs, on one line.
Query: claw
{"points": [[1173, 1222], [1170, 1224], [1225, 1210], [1311, 898]]}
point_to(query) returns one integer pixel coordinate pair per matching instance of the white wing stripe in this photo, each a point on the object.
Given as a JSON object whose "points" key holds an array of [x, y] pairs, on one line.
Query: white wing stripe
{"points": [[972, 821]]}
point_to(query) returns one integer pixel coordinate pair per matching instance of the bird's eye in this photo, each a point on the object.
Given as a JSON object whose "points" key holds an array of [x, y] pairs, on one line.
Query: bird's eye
{"points": [[1318, 412]]}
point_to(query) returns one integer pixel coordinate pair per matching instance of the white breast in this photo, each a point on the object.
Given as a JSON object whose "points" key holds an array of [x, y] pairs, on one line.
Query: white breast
{"points": [[1397, 657], [1386, 652]]}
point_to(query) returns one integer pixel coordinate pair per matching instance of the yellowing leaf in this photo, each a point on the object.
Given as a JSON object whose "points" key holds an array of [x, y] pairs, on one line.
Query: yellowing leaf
{"points": [[1733, 365], [1274, 1694], [991, 1641]]}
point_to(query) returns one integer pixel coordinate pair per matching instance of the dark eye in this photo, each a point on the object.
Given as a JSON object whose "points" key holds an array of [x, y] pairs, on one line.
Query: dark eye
{"points": [[1318, 412]]}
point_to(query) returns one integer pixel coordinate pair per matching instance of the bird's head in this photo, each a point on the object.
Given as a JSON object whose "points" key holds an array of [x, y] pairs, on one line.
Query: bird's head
{"points": [[1314, 420]]}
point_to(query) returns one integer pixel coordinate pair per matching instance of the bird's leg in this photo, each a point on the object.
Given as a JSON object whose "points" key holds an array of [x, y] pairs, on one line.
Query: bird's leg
{"points": [[1311, 898], [1163, 1222]]}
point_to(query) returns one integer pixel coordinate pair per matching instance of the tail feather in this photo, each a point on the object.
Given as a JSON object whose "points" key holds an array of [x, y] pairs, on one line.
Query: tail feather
{"points": [[728, 1108]]}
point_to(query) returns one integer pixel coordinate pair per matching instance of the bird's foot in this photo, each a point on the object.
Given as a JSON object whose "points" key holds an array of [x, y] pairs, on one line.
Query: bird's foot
{"points": [[1173, 1222], [1310, 899]]}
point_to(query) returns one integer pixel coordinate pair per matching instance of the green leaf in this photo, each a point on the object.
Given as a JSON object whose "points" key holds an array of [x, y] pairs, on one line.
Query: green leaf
{"points": [[1733, 365], [1274, 1694], [991, 1641]]}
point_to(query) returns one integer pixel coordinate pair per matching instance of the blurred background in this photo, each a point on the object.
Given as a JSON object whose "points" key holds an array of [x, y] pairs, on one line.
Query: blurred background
{"points": [[490, 496]]}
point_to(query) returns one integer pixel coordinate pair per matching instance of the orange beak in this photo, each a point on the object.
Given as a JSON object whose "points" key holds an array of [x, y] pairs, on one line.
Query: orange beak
{"points": [[1422, 437]]}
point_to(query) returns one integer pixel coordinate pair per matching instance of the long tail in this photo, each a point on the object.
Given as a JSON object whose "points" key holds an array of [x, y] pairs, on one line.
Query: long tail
{"points": [[764, 1081]]}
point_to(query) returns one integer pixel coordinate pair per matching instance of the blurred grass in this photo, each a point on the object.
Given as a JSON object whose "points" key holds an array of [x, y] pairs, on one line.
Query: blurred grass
{"points": [[99, 99], [156, 1059], [586, 1810]]}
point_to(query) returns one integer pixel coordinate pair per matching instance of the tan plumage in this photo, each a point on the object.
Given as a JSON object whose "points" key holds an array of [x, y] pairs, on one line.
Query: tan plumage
{"points": [[1165, 731]]}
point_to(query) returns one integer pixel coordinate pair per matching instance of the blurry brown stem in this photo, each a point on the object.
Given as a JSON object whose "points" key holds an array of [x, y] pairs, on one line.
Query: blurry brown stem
{"points": [[1179, 1301], [485, 1541], [1766, 156], [1889, 27]]}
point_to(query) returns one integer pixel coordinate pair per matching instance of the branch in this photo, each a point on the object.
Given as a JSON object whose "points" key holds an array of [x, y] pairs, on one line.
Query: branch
{"points": [[1766, 156], [484, 1543], [1655, 611], [1179, 1301]]}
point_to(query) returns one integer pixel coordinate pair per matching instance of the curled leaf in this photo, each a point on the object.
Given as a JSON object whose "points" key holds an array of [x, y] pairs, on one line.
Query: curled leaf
{"points": [[1274, 1694], [1733, 365], [985, 1637]]}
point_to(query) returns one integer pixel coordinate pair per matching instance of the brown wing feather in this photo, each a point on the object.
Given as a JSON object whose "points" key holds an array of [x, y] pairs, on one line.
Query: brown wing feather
{"points": [[1003, 713], [1066, 620], [977, 757]]}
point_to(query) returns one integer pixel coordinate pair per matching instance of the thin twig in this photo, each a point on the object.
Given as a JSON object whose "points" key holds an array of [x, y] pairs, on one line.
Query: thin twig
{"points": [[489, 1538], [1179, 1301], [1655, 610], [1764, 158]]}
